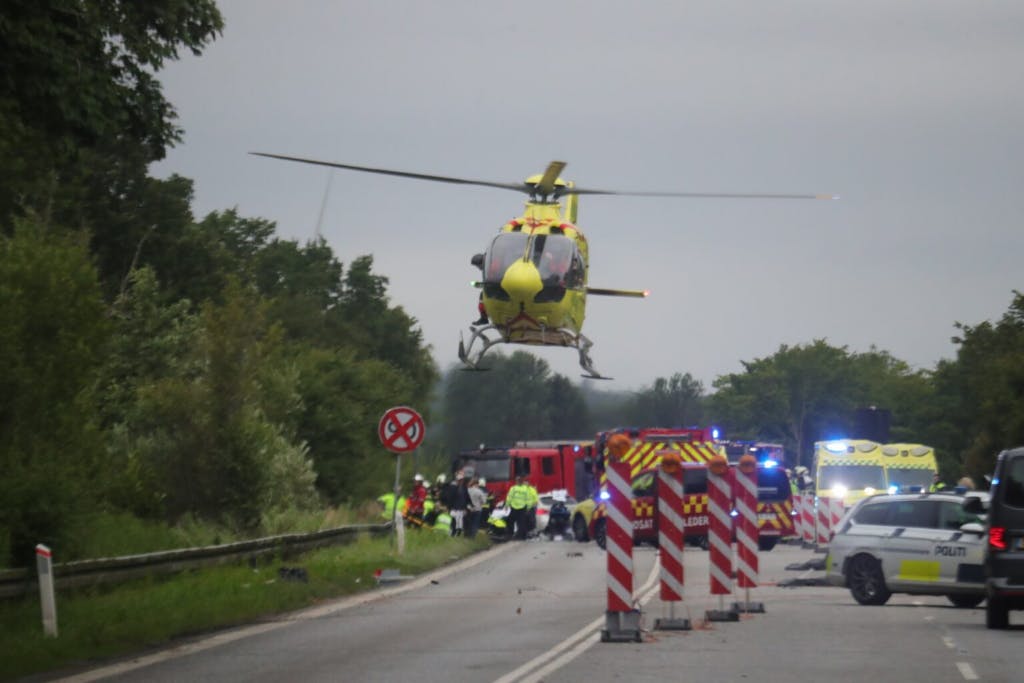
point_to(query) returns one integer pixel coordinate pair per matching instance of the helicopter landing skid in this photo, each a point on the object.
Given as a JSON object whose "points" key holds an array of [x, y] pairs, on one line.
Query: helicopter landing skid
{"points": [[583, 345], [471, 358]]}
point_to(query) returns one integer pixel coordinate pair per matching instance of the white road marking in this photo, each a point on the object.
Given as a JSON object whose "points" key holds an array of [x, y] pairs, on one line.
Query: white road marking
{"points": [[589, 635], [949, 642], [966, 671]]}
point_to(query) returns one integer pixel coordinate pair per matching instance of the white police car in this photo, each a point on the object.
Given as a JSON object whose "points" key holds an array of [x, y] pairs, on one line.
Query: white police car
{"points": [[924, 544]]}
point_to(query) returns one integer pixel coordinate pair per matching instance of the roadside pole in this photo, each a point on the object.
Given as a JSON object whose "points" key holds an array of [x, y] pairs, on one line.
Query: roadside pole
{"points": [[397, 536], [44, 567]]}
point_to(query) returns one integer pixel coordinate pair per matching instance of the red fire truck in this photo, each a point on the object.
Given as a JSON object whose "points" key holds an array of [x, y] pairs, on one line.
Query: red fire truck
{"points": [[548, 465], [774, 507]]}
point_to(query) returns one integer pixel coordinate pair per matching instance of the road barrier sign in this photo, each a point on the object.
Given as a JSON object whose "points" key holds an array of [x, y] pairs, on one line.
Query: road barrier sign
{"points": [[746, 532], [807, 510], [822, 529], [720, 537], [670, 543], [622, 621]]}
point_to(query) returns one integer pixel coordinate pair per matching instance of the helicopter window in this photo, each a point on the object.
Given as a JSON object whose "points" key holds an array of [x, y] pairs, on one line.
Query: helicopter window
{"points": [[553, 256], [506, 248]]}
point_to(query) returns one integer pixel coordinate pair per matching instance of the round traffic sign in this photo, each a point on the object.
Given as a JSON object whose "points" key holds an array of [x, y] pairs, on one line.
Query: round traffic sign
{"points": [[401, 429]]}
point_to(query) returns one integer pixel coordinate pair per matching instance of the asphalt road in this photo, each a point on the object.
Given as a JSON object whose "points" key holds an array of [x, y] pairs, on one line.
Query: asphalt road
{"points": [[533, 611]]}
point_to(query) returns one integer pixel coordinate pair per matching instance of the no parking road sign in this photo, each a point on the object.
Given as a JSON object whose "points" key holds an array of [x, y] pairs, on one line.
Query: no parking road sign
{"points": [[401, 429]]}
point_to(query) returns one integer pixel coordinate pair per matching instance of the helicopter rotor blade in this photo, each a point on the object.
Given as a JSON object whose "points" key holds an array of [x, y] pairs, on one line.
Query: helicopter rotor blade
{"points": [[547, 182], [699, 195], [518, 187], [546, 186]]}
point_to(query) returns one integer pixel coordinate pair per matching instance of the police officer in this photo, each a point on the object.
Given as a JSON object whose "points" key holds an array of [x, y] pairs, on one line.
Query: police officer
{"points": [[937, 484], [518, 501]]}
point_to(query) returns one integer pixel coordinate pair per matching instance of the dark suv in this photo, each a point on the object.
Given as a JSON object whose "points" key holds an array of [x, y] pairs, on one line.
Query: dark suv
{"points": [[1004, 554]]}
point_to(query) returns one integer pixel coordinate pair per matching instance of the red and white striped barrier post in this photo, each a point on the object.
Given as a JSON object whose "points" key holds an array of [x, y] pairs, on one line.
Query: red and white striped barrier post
{"points": [[798, 516], [670, 540], [807, 510], [822, 529], [720, 537], [622, 620], [836, 511], [746, 533]]}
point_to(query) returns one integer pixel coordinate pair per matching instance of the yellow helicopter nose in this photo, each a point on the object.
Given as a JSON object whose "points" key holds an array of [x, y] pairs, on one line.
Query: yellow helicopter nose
{"points": [[522, 282]]}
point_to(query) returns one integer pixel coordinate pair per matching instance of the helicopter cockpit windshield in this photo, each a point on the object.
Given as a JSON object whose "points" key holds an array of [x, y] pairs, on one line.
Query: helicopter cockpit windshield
{"points": [[506, 248], [557, 260]]}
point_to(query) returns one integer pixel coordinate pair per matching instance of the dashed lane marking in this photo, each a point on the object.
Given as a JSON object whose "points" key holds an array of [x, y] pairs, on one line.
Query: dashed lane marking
{"points": [[967, 671]]}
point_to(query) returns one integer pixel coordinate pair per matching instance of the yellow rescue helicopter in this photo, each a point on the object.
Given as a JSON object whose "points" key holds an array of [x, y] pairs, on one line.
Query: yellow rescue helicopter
{"points": [[534, 273]]}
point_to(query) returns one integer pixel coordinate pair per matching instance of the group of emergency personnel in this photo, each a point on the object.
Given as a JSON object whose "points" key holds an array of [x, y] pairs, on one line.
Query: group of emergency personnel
{"points": [[453, 507]]}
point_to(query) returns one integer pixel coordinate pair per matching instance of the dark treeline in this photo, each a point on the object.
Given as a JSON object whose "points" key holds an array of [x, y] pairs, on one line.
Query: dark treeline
{"points": [[171, 367]]}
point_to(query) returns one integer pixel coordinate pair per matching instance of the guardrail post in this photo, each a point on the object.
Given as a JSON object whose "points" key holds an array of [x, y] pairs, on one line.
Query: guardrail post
{"points": [[44, 567]]}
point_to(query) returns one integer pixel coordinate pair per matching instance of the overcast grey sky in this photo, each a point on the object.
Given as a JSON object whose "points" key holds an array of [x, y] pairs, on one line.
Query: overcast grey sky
{"points": [[911, 111]]}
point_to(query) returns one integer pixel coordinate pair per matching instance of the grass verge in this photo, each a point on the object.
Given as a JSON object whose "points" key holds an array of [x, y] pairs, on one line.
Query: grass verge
{"points": [[100, 623]]}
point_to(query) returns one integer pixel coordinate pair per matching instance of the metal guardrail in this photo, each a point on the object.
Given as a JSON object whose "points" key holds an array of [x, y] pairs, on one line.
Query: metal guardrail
{"points": [[15, 582]]}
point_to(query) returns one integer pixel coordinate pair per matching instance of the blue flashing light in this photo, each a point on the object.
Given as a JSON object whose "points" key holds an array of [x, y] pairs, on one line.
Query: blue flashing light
{"points": [[995, 481], [893, 490], [604, 495], [734, 513], [836, 446], [714, 433], [768, 464], [576, 448]]}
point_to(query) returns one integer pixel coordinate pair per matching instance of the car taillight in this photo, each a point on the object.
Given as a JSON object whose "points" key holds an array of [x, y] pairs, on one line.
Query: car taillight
{"points": [[997, 538]]}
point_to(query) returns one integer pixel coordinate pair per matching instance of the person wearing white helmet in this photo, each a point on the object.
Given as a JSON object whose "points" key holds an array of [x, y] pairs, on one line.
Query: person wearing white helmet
{"points": [[414, 507]]}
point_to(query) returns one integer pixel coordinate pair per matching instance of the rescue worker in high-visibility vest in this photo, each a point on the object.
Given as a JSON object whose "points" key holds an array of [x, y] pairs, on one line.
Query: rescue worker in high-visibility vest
{"points": [[518, 501], [793, 488], [443, 522], [387, 505], [937, 484]]}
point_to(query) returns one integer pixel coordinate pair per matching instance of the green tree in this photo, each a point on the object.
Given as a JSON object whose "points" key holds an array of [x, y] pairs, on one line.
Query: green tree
{"points": [[52, 328], [518, 399], [365, 320], [673, 402], [344, 397], [78, 90], [221, 432], [983, 390], [795, 396]]}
